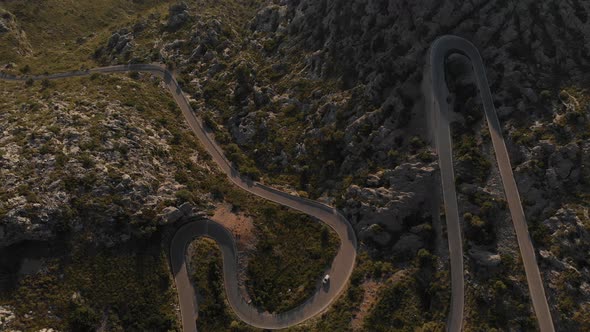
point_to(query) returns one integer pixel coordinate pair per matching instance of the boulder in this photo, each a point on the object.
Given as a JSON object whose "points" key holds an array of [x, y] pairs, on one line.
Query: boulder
{"points": [[373, 180], [186, 208], [402, 191], [171, 214], [484, 258]]}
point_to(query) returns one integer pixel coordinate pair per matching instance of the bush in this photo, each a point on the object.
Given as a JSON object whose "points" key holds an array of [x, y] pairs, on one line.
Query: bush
{"points": [[251, 172], [393, 156], [209, 122], [417, 143], [26, 69], [134, 75], [183, 196], [425, 156], [83, 319]]}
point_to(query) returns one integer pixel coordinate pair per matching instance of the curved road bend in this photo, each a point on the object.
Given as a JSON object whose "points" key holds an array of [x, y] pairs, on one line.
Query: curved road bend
{"points": [[438, 100], [340, 269]]}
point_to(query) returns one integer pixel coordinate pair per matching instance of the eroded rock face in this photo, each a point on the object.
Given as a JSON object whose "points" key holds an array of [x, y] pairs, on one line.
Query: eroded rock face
{"points": [[269, 18], [395, 198], [247, 128], [404, 29], [120, 42]]}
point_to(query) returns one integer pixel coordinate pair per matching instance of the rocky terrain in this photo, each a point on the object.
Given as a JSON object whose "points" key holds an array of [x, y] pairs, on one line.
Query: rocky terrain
{"points": [[92, 169], [536, 55], [324, 98], [70, 161], [12, 34]]}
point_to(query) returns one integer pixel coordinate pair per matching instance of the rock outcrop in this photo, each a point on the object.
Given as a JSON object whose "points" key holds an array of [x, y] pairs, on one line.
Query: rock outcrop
{"points": [[392, 206], [178, 16]]}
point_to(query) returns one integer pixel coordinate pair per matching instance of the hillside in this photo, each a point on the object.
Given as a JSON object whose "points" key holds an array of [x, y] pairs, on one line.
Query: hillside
{"points": [[322, 99]]}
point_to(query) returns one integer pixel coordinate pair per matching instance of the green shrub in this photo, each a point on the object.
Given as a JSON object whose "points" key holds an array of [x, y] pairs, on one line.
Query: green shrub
{"points": [[26, 69], [184, 196], [83, 319], [134, 75]]}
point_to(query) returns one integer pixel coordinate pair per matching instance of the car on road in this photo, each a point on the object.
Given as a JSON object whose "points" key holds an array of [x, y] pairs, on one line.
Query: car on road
{"points": [[326, 279]]}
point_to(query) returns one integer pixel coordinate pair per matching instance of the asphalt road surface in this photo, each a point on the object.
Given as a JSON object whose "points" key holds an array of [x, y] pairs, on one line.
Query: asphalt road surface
{"points": [[340, 269], [437, 96]]}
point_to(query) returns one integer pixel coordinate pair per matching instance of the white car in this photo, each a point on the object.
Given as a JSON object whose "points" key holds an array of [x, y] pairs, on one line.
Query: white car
{"points": [[326, 279]]}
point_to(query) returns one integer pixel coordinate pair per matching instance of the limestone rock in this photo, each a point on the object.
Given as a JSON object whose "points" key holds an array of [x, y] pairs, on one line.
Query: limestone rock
{"points": [[484, 258], [186, 208], [171, 214], [6, 316]]}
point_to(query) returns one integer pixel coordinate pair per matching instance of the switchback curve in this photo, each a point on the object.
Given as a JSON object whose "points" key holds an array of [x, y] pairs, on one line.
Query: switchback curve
{"points": [[340, 269], [437, 96]]}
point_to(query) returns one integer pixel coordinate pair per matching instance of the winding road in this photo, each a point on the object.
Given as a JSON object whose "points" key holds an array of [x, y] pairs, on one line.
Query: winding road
{"points": [[340, 269], [437, 96], [438, 99]]}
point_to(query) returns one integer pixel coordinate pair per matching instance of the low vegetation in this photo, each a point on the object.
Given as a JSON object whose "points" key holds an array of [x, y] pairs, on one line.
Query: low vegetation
{"points": [[282, 230], [67, 43], [122, 289], [207, 275], [292, 252], [500, 302], [412, 300]]}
